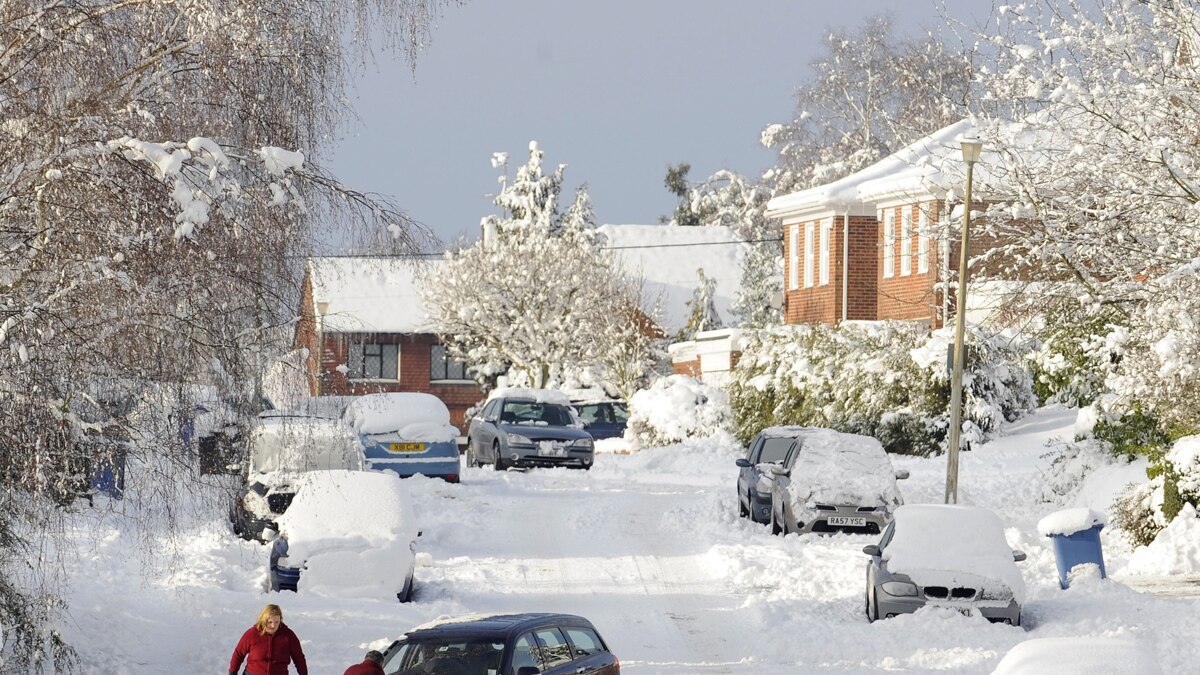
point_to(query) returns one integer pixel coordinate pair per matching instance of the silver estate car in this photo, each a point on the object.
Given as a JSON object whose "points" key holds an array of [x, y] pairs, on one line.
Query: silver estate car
{"points": [[832, 481], [944, 554], [769, 446]]}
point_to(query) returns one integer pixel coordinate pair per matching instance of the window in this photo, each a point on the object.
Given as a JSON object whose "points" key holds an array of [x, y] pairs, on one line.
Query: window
{"points": [[906, 242], [794, 257], [526, 653], [442, 366], [826, 232], [585, 641], [808, 255], [889, 243], [372, 361], [923, 242], [555, 649]]}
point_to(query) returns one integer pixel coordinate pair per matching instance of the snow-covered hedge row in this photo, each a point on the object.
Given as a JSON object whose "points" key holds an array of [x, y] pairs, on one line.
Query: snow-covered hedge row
{"points": [[1174, 485], [885, 379], [673, 409]]}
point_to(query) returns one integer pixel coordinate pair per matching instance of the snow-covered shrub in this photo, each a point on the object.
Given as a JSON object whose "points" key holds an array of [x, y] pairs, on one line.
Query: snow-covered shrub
{"points": [[1174, 485], [1075, 355], [1070, 467], [887, 379], [675, 408], [1136, 512]]}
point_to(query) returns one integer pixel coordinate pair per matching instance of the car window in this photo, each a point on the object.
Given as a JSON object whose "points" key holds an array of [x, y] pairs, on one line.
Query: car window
{"points": [[774, 450], [555, 648], [489, 410], [887, 535], [525, 653], [755, 447], [584, 641], [620, 412], [592, 414]]}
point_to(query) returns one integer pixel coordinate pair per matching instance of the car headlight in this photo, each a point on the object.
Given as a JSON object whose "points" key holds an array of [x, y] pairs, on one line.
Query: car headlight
{"points": [[582, 443], [898, 588], [996, 593], [518, 438]]}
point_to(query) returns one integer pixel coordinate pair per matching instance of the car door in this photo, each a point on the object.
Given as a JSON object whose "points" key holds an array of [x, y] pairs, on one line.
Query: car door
{"points": [[781, 482], [526, 653], [556, 652], [482, 431], [590, 654], [748, 475]]}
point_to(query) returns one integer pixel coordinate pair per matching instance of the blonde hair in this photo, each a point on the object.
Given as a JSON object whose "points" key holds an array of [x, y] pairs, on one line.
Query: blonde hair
{"points": [[263, 616]]}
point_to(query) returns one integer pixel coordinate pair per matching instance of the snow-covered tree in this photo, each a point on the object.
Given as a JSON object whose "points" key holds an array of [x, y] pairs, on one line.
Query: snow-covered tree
{"points": [[158, 186], [703, 314], [872, 92], [1104, 163], [538, 293]]}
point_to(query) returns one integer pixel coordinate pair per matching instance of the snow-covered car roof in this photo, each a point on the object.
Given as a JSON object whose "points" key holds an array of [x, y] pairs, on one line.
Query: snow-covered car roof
{"points": [[834, 467], [788, 431], [352, 530], [933, 542], [298, 443], [525, 393], [412, 416], [1078, 656]]}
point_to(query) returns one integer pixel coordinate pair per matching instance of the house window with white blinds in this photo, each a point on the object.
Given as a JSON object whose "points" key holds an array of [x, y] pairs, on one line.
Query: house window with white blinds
{"points": [[826, 232], [808, 254], [793, 257], [923, 242], [889, 243], [906, 241]]}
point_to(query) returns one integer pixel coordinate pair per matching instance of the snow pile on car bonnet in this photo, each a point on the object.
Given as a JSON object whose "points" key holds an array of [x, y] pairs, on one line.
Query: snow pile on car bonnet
{"points": [[841, 468], [412, 416]]}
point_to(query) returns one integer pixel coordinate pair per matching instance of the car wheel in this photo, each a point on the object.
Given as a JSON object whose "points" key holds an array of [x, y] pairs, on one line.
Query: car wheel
{"points": [[872, 606], [499, 464], [472, 458], [775, 529], [743, 512], [406, 593]]}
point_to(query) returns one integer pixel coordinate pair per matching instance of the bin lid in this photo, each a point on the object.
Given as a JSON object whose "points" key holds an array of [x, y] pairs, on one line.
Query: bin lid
{"points": [[1069, 521]]}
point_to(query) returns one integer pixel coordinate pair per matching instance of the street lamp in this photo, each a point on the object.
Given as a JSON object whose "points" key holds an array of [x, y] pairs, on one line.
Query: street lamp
{"points": [[322, 308], [971, 149]]}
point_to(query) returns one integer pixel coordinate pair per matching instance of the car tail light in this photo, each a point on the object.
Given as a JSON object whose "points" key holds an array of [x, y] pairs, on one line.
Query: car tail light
{"points": [[451, 478]]}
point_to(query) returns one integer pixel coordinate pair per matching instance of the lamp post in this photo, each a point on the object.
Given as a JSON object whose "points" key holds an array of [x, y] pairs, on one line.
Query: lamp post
{"points": [[971, 149], [322, 308]]}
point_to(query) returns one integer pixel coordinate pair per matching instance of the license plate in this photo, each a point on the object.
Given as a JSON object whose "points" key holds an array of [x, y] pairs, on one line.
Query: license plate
{"points": [[846, 521], [552, 449], [406, 447]]}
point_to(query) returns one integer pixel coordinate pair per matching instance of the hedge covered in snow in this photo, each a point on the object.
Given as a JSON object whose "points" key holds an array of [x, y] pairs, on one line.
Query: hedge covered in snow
{"points": [[675, 408]]}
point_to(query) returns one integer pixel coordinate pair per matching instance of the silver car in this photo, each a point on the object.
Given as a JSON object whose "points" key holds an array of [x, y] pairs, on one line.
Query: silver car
{"points": [[769, 446], [529, 428], [832, 481], [947, 555]]}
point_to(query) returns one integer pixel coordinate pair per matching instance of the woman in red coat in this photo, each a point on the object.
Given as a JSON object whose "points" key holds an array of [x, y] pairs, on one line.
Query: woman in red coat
{"points": [[268, 646]]}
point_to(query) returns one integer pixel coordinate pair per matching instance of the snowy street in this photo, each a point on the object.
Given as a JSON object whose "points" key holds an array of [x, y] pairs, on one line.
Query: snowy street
{"points": [[647, 546]]}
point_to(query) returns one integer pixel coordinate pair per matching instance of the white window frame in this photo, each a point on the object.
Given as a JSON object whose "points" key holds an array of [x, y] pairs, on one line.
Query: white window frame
{"points": [[809, 245], [889, 243], [906, 232], [923, 241], [794, 257], [826, 232]]}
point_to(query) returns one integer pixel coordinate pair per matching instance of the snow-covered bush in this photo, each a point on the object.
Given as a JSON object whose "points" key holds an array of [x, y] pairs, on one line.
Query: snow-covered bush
{"points": [[1174, 485], [675, 408], [1076, 353], [886, 379]]}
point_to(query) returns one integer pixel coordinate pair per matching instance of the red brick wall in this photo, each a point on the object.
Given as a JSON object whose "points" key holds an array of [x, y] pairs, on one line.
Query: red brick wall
{"points": [[862, 296], [820, 303], [911, 296], [690, 368]]}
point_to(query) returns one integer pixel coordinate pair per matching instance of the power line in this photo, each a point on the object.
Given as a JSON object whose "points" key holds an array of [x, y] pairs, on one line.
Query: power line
{"points": [[606, 248]]}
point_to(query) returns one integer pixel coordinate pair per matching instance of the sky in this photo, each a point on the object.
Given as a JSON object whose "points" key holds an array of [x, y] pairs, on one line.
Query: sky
{"points": [[649, 547], [616, 90]]}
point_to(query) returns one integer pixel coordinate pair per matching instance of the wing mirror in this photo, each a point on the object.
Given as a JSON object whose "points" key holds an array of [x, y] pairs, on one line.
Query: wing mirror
{"points": [[901, 474], [1019, 556], [872, 550], [743, 462]]}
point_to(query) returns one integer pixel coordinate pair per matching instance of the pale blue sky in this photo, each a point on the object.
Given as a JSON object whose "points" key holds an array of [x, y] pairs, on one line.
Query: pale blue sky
{"points": [[617, 90]]}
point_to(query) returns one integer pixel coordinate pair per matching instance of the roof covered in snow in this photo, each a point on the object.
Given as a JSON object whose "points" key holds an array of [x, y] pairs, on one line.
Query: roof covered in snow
{"points": [[667, 257], [371, 294]]}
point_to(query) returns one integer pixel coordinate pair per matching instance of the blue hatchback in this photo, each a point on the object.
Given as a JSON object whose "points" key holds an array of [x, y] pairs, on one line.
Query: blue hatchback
{"points": [[408, 433], [603, 419]]}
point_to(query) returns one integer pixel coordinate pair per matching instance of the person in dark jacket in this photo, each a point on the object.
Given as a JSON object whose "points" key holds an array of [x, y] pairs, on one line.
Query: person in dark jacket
{"points": [[371, 665], [268, 647]]}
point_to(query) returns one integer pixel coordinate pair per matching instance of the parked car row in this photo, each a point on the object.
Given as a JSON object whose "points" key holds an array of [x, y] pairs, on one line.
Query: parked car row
{"points": [[810, 480]]}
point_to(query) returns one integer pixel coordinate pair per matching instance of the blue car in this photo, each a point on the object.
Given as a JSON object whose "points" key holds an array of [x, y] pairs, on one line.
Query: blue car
{"points": [[408, 433], [529, 428], [604, 419]]}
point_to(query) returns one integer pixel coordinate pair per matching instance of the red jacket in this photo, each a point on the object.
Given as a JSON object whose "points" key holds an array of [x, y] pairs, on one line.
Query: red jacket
{"points": [[367, 667], [268, 654]]}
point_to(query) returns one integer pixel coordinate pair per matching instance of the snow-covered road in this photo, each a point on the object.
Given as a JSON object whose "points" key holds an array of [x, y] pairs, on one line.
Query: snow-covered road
{"points": [[648, 547]]}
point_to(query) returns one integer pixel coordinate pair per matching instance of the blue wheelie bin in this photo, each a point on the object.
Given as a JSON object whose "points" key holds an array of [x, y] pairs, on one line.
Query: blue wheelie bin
{"points": [[1073, 546]]}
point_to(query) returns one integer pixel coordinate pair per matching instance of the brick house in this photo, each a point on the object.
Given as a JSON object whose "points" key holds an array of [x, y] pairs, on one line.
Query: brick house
{"points": [[880, 243], [366, 330]]}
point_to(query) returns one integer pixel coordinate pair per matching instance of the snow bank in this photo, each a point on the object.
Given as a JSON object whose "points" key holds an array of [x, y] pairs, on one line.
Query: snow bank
{"points": [[1175, 551], [1078, 656], [411, 416], [675, 408]]}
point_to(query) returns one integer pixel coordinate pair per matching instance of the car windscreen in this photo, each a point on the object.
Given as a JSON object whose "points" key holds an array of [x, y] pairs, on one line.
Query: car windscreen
{"points": [[550, 414], [774, 449], [455, 656]]}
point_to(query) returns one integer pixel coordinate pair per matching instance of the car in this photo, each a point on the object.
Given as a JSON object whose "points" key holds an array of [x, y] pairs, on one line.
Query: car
{"points": [[831, 481], [525, 428], [407, 433], [507, 644], [346, 534], [280, 448], [769, 446], [1079, 656], [603, 419], [947, 555]]}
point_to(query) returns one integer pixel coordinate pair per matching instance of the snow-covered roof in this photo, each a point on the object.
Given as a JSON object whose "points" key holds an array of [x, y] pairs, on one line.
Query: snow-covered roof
{"points": [[371, 294], [667, 257]]}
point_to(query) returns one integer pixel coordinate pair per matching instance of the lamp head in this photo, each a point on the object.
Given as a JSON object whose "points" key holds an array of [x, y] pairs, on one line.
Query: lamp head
{"points": [[971, 149], [322, 307]]}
